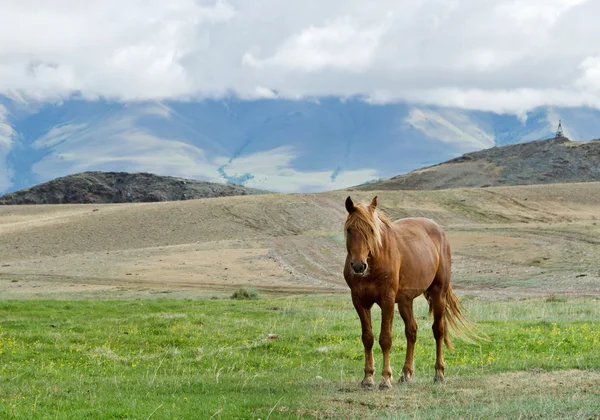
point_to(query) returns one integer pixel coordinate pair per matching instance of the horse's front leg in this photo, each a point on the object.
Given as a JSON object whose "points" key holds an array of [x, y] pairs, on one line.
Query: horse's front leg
{"points": [[385, 340], [364, 313]]}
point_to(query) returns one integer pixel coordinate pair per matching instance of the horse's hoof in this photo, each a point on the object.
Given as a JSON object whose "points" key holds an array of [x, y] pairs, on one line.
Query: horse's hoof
{"points": [[406, 378], [438, 378], [367, 384], [385, 384]]}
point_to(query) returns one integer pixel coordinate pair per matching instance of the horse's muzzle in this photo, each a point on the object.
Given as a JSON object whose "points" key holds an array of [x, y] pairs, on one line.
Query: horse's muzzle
{"points": [[358, 269]]}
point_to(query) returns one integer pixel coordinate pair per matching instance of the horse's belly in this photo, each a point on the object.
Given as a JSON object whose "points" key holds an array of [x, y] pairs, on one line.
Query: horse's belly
{"points": [[417, 273]]}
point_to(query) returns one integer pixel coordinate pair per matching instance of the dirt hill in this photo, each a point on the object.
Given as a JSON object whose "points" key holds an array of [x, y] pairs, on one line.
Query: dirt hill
{"points": [[551, 161], [508, 241], [121, 187]]}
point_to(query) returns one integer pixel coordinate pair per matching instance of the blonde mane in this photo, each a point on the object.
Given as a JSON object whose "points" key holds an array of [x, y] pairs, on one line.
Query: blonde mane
{"points": [[370, 223]]}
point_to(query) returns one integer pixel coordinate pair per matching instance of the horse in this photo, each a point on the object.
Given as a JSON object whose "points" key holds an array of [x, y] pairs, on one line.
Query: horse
{"points": [[392, 262]]}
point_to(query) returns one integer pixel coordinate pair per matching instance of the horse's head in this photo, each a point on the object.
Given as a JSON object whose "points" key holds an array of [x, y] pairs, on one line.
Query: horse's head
{"points": [[363, 231]]}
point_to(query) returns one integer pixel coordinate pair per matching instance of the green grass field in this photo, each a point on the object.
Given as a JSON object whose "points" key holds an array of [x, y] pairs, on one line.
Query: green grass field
{"points": [[214, 358]]}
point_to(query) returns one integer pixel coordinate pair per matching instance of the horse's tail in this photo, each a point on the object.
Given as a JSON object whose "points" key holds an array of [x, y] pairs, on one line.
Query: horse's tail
{"points": [[456, 320], [454, 313]]}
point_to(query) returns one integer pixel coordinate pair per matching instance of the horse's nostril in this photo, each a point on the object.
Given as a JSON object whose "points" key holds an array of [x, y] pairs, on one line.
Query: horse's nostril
{"points": [[359, 268]]}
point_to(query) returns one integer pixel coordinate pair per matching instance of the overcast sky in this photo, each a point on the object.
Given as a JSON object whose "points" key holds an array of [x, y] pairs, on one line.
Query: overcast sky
{"points": [[503, 56]]}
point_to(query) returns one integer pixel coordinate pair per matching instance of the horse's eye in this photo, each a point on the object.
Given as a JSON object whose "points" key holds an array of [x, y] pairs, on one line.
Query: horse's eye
{"points": [[348, 230]]}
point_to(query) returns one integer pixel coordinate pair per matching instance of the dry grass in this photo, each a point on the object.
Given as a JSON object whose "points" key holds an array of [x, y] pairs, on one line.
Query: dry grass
{"points": [[506, 241], [567, 393]]}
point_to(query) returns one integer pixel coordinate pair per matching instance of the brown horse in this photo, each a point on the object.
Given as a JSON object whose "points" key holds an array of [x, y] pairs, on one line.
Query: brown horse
{"points": [[394, 262]]}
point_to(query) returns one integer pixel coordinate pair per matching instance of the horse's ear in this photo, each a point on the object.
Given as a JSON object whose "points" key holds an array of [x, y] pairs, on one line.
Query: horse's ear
{"points": [[349, 205], [373, 204]]}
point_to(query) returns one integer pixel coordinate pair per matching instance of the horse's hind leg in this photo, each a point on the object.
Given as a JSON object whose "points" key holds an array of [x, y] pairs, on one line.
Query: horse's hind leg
{"points": [[405, 307], [364, 313], [438, 304]]}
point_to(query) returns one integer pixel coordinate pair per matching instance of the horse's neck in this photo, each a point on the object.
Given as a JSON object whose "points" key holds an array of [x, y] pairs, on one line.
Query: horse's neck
{"points": [[387, 239]]}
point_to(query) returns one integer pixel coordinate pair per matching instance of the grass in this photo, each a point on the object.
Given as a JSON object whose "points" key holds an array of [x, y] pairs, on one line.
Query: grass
{"points": [[244, 293], [286, 358]]}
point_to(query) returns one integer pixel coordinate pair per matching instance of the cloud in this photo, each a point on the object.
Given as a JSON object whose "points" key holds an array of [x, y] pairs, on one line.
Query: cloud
{"points": [[450, 126], [508, 56], [57, 135], [6, 131], [516, 101], [590, 78], [261, 172], [341, 45], [263, 92], [119, 144], [6, 140]]}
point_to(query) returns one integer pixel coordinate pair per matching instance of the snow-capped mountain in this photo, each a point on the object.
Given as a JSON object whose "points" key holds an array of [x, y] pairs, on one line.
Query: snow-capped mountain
{"points": [[279, 145]]}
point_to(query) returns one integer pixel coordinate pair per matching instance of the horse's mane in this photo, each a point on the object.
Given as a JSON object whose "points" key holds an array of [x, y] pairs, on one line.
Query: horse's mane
{"points": [[371, 223]]}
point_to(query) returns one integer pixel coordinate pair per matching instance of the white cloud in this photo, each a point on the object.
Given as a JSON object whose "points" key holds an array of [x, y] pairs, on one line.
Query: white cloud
{"points": [[263, 92], [57, 135], [6, 131], [450, 126], [528, 14], [6, 139], [272, 170], [590, 78], [516, 101], [343, 45], [504, 56], [118, 144]]}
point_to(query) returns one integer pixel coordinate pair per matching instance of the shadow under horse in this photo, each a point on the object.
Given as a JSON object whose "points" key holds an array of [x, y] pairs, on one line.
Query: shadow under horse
{"points": [[392, 263]]}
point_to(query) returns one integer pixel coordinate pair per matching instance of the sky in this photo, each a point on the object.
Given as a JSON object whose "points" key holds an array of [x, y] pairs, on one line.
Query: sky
{"points": [[501, 56]]}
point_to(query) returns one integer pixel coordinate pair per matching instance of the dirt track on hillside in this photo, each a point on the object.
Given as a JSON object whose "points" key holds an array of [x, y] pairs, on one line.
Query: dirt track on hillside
{"points": [[536, 240]]}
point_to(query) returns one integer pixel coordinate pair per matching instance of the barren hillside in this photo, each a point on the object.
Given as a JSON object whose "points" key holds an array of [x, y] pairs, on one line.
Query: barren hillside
{"points": [[511, 240], [552, 161], [121, 187]]}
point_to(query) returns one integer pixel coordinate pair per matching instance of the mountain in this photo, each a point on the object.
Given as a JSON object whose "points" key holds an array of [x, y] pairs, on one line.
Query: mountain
{"points": [[556, 160], [272, 144], [121, 187]]}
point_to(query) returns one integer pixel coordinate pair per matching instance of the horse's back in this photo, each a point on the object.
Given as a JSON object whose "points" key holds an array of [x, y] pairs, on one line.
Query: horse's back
{"points": [[412, 225]]}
